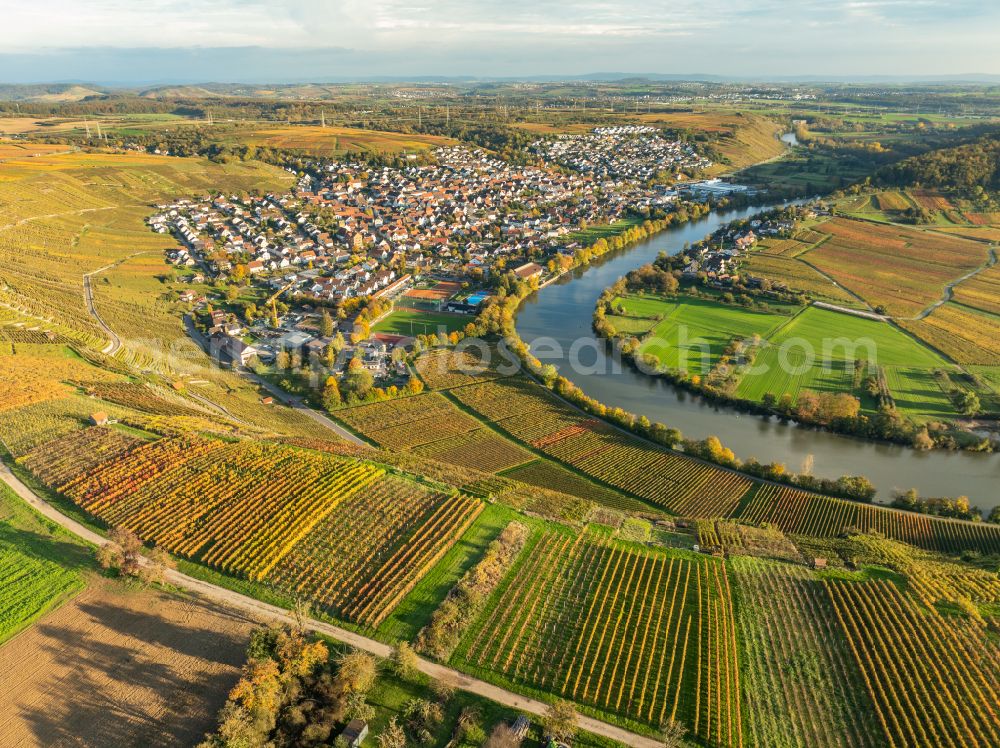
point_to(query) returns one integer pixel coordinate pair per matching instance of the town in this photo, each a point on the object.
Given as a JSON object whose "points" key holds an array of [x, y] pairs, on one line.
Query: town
{"points": [[357, 261], [636, 152]]}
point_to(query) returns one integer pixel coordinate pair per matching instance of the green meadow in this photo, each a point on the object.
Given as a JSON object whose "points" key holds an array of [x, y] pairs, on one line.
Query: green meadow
{"points": [[813, 349]]}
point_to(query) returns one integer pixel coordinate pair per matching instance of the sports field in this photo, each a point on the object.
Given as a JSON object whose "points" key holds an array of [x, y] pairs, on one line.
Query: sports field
{"points": [[413, 322]]}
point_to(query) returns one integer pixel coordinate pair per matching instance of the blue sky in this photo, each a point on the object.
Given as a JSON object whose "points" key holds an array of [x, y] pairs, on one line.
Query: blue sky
{"points": [[285, 40]]}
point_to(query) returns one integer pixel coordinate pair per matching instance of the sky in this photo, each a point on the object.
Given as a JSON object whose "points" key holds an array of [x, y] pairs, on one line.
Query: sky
{"points": [[163, 41]]}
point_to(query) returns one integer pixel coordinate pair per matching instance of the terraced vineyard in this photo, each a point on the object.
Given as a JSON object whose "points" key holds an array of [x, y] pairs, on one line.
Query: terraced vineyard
{"points": [[801, 512], [637, 633]]}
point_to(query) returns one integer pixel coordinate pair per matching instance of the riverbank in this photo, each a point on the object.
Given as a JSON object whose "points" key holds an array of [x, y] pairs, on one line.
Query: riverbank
{"points": [[559, 317]]}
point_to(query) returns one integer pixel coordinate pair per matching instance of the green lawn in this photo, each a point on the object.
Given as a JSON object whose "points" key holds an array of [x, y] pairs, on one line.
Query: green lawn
{"points": [[420, 322], [772, 375]]}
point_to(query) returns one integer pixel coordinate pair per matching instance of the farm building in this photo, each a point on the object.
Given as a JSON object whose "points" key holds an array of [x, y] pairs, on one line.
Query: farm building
{"points": [[355, 733]]}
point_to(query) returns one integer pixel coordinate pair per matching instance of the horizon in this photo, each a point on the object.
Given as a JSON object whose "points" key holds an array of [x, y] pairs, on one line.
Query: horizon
{"points": [[287, 41]]}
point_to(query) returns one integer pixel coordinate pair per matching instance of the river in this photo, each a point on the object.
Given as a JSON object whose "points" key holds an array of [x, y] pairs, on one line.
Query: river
{"points": [[561, 313]]}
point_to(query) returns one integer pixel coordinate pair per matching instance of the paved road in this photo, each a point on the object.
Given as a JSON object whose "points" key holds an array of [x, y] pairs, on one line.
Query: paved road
{"points": [[259, 609]]}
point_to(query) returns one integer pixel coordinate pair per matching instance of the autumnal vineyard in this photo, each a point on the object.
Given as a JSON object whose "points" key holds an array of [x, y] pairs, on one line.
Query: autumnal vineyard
{"points": [[335, 530], [240, 506], [902, 269], [637, 633], [60, 460], [140, 397], [932, 680], [805, 513], [534, 416]]}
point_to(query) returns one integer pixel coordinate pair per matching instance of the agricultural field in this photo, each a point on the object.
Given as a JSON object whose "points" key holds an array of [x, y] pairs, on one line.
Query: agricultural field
{"points": [[120, 667], [692, 333], [66, 213], [931, 679], [331, 141], [33, 577], [901, 269], [817, 350], [981, 291], [443, 368], [643, 634], [800, 683], [966, 335], [742, 138], [408, 422], [797, 276], [804, 513], [601, 452], [546, 474], [309, 529]]}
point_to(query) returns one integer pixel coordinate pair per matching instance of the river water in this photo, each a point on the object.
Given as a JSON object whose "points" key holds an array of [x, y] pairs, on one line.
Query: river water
{"points": [[561, 314]]}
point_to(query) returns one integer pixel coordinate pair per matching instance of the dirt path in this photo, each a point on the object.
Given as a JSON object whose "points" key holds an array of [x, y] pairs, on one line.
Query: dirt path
{"points": [[949, 290], [258, 609], [115, 343]]}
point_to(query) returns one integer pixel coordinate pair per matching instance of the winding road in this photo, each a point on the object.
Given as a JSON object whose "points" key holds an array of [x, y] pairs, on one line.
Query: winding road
{"points": [[228, 598]]}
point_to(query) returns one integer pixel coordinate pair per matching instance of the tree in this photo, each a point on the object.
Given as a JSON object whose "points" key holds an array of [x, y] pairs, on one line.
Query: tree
{"points": [[968, 403], [673, 734], [503, 736], [405, 663], [356, 672], [393, 736], [326, 324], [331, 394], [561, 720], [122, 552]]}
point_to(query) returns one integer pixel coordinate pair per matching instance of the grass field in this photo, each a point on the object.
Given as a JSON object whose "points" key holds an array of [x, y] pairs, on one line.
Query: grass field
{"points": [[40, 565], [836, 336], [693, 332], [413, 322]]}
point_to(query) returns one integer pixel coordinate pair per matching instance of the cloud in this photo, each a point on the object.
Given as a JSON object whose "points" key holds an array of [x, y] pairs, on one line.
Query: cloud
{"points": [[519, 37]]}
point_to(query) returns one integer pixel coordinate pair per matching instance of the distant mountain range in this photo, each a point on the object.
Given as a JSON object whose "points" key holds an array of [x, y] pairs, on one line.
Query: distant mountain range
{"points": [[78, 90]]}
